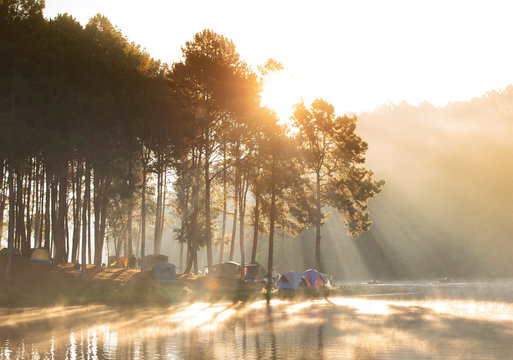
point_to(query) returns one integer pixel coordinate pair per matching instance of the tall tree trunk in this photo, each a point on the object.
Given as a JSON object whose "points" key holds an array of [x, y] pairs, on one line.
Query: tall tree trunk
{"points": [[181, 257], [85, 225], [89, 247], [129, 237], [97, 193], [318, 224], [76, 212], [17, 242], [29, 204], [138, 241], [125, 245], [208, 221], [242, 213], [189, 259], [235, 200], [223, 226], [156, 236], [163, 211], [20, 221], [101, 186], [3, 195], [39, 236], [130, 208], [143, 215], [255, 225], [60, 236], [53, 209], [194, 233], [234, 227], [271, 217], [47, 207], [185, 228], [118, 241], [98, 251], [10, 227], [37, 218], [66, 233], [195, 255]]}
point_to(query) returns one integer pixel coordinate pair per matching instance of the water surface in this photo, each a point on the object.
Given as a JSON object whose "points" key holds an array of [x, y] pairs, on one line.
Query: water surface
{"points": [[371, 327]]}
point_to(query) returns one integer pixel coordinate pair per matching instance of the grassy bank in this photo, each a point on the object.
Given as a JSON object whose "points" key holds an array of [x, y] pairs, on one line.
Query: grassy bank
{"points": [[40, 284], [139, 293]]}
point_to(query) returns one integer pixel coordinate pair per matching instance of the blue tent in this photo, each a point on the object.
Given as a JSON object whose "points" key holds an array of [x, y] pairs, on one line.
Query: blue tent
{"points": [[291, 280], [314, 279], [165, 272]]}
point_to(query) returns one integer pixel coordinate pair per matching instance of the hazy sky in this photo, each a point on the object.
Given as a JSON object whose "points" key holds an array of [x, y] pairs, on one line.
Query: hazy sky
{"points": [[355, 54]]}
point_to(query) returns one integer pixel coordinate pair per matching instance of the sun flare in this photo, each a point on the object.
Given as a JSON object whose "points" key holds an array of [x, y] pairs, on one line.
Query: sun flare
{"points": [[280, 92]]}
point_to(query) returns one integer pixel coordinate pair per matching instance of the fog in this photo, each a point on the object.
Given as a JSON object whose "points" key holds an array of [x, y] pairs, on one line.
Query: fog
{"points": [[446, 208], [335, 327]]}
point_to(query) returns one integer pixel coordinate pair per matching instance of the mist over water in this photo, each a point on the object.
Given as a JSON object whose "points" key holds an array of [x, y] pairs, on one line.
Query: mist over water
{"points": [[416, 321]]}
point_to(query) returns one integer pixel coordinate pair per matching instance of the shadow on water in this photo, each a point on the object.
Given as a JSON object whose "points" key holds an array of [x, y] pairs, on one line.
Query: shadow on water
{"points": [[320, 343], [270, 320], [340, 327]]}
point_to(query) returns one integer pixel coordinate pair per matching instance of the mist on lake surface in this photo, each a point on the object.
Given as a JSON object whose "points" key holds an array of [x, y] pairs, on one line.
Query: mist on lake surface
{"points": [[408, 323]]}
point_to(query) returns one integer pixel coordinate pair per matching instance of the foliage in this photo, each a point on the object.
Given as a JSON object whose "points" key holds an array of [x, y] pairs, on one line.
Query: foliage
{"points": [[88, 120]]}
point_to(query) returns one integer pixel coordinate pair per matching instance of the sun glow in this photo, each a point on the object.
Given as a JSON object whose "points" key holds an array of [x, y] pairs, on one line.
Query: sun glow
{"points": [[281, 90]]}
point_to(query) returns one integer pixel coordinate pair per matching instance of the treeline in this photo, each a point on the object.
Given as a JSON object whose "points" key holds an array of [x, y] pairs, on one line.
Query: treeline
{"points": [[88, 118]]}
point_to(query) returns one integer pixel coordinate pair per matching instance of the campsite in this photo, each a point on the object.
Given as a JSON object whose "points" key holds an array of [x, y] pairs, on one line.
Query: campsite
{"points": [[256, 180], [39, 282]]}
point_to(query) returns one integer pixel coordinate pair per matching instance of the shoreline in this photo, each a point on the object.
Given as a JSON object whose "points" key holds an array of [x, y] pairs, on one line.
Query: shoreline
{"points": [[48, 284]]}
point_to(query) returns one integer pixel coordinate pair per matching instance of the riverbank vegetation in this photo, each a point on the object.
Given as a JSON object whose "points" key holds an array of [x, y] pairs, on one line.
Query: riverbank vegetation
{"points": [[44, 284], [98, 140]]}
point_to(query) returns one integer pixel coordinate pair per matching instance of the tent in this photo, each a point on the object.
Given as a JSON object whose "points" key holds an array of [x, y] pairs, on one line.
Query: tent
{"points": [[314, 279], [291, 280], [40, 255], [227, 270], [254, 272], [165, 272]]}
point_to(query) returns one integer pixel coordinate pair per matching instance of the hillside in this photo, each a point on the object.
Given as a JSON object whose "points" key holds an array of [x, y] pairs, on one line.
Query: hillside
{"points": [[447, 207]]}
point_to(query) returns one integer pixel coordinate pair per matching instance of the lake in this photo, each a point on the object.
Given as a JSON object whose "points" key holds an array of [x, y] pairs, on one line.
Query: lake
{"points": [[412, 321]]}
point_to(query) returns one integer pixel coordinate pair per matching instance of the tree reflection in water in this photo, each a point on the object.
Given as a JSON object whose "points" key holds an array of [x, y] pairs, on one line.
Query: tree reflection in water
{"points": [[322, 329], [270, 320]]}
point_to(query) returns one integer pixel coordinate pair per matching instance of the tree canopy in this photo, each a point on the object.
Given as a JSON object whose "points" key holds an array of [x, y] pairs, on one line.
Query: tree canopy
{"points": [[99, 139]]}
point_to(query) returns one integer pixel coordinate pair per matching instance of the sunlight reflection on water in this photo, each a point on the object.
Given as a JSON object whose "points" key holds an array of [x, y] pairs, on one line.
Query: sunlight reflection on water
{"points": [[340, 327]]}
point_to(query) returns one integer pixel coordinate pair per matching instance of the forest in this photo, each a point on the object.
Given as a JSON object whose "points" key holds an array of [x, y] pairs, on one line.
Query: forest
{"points": [[98, 140]]}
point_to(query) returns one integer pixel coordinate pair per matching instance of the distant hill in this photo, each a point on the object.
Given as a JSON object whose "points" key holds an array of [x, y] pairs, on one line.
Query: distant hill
{"points": [[447, 206]]}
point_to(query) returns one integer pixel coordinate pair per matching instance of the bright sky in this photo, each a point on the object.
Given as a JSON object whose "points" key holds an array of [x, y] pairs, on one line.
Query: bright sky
{"points": [[355, 54]]}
